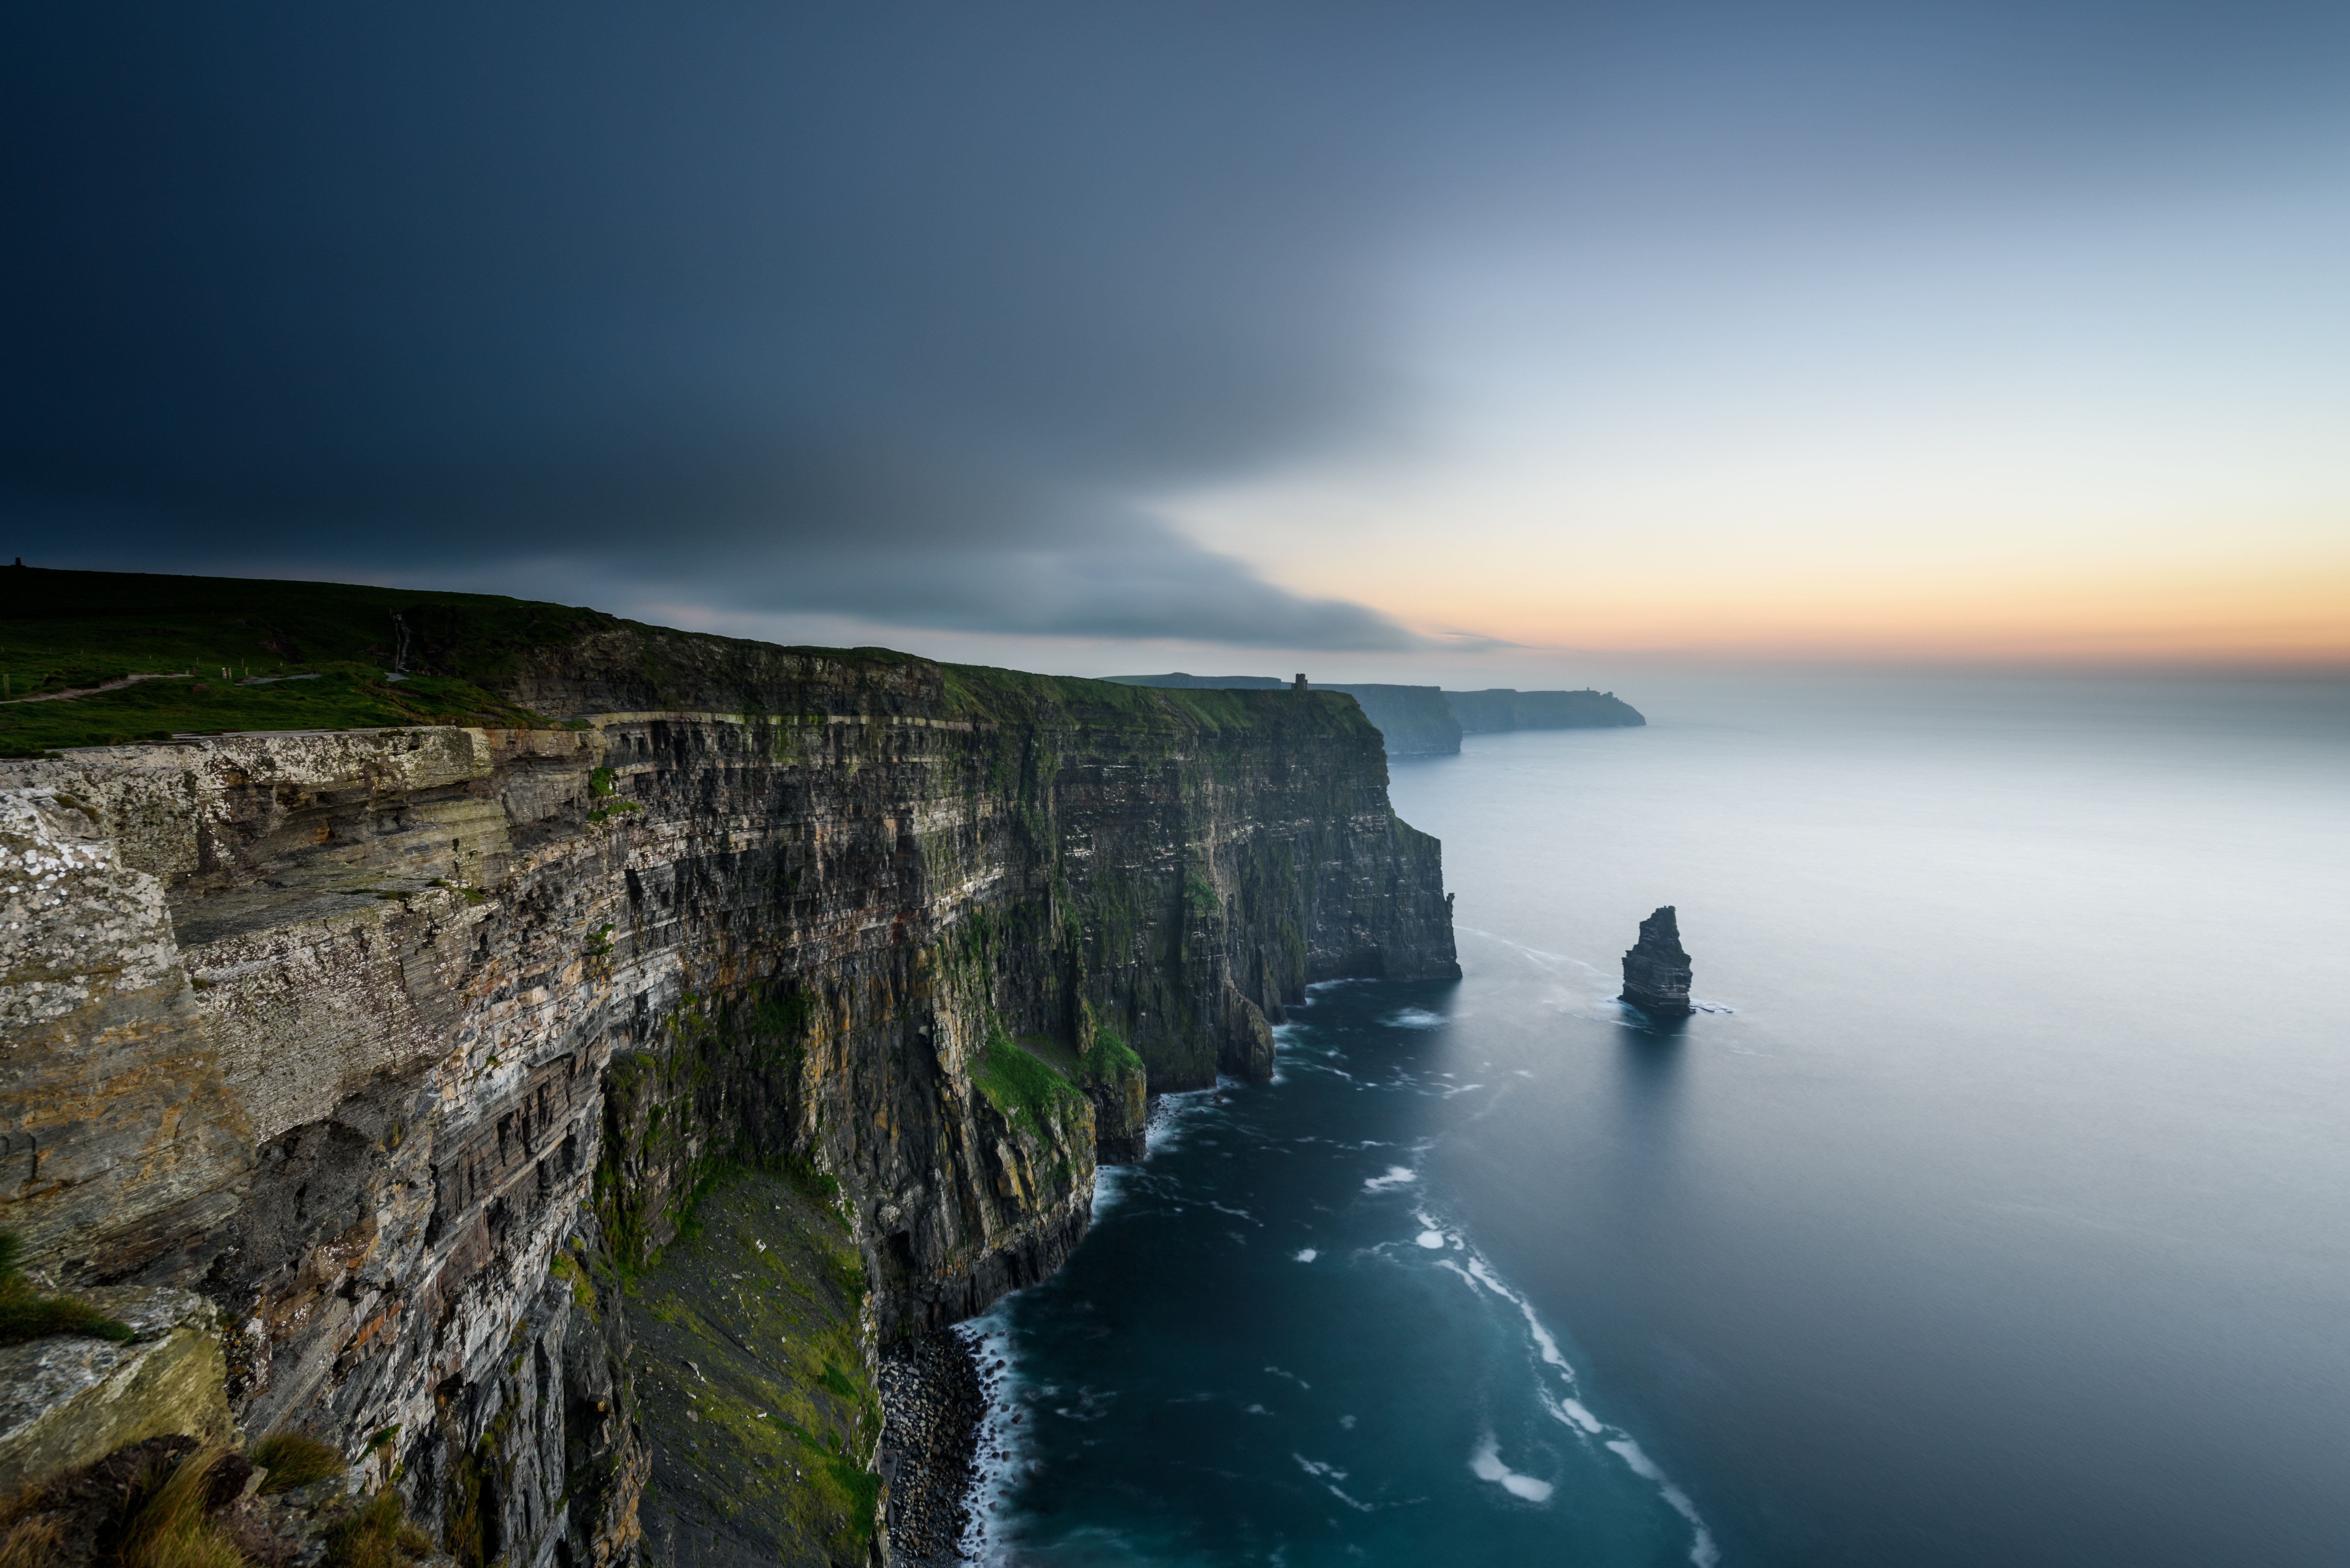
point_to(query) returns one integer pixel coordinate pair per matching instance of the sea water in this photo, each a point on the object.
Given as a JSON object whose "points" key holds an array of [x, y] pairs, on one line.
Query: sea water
{"points": [[1994, 1208]]}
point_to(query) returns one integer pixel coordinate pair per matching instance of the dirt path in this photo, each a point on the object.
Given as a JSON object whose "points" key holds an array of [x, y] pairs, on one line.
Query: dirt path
{"points": [[92, 690]]}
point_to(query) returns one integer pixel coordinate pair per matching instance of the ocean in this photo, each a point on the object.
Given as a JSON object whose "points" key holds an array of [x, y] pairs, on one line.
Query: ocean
{"points": [[1995, 1209]]}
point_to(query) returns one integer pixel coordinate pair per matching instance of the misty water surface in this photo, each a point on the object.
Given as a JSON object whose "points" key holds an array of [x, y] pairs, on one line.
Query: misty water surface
{"points": [[1999, 1212]]}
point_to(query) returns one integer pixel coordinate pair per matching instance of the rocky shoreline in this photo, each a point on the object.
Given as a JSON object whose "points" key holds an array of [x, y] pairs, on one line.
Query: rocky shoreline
{"points": [[933, 1401]]}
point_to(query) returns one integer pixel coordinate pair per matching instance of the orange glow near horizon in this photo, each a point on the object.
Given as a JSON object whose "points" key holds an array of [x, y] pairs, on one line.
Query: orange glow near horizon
{"points": [[2270, 618]]}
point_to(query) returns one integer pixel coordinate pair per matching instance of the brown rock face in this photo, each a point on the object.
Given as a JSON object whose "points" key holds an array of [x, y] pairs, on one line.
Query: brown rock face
{"points": [[1655, 970], [355, 1032]]}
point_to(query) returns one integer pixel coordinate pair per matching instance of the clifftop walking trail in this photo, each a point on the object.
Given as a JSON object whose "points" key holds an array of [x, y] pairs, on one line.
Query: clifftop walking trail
{"points": [[402, 1026]]}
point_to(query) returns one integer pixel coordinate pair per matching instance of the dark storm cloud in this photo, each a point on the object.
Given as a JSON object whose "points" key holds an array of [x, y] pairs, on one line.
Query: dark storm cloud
{"points": [[900, 310], [884, 313]]}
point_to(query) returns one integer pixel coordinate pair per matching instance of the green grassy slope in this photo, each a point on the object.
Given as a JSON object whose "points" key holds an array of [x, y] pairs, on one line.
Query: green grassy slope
{"points": [[751, 1380], [318, 656], [226, 654]]}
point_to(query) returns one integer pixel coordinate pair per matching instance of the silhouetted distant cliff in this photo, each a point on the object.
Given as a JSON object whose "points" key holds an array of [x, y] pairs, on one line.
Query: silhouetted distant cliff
{"points": [[1422, 721], [1413, 720], [1479, 712]]}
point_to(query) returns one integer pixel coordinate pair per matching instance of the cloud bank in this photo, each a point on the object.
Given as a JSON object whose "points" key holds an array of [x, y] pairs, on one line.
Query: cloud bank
{"points": [[890, 314]]}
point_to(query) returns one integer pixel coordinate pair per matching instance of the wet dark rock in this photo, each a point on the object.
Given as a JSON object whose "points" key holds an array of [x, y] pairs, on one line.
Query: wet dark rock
{"points": [[1655, 970], [933, 1405]]}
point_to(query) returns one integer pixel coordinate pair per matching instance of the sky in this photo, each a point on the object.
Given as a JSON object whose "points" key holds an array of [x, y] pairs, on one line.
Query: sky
{"points": [[1467, 343]]}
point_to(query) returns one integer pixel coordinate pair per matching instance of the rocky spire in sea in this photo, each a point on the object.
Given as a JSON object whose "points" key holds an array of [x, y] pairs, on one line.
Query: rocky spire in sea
{"points": [[1655, 970]]}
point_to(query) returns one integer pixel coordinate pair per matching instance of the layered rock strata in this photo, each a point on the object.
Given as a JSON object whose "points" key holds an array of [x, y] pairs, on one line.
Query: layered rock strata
{"points": [[404, 1048], [1655, 970]]}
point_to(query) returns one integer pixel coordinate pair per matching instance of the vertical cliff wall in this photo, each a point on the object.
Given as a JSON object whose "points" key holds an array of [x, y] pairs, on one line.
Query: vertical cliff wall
{"points": [[1412, 721], [405, 1046]]}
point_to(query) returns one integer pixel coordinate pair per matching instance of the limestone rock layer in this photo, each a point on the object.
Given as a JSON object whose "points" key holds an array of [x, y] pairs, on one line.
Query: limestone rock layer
{"points": [[404, 1047]]}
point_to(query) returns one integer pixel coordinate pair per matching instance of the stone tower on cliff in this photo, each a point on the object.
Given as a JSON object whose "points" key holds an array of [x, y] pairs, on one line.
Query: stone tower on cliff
{"points": [[1655, 970]]}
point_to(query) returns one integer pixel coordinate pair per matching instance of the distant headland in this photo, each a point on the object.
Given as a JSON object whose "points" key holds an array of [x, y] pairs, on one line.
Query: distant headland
{"points": [[1426, 721]]}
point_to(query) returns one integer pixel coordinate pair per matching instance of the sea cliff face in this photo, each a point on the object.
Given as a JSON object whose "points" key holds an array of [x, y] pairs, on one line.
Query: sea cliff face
{"points": [[407, 1047], [1412, 721]]}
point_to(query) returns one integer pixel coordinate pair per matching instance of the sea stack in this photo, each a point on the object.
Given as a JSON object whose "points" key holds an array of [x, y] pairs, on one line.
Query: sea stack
{"points": [[1655, 970]]}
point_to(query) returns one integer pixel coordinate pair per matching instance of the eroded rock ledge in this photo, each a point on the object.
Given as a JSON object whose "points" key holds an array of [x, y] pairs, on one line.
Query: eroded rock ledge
{"points": [[404, 1047]]}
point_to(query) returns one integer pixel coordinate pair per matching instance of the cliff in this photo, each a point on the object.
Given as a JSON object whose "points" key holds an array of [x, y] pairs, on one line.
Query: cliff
{"points": [[412, 1048], [1412, 721], [1482, 713]]}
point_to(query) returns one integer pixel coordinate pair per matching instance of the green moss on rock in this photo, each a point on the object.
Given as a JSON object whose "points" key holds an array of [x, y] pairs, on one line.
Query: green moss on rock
{"points": [[750, 1379]]}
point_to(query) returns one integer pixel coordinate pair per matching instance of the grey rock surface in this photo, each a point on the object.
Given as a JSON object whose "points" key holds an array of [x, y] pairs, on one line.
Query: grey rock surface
{"points": [[1655, 970], [68, 1400]]}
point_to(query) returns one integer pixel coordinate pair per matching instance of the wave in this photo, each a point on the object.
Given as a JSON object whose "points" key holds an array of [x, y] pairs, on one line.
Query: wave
{"points": [[1572, 1413]]}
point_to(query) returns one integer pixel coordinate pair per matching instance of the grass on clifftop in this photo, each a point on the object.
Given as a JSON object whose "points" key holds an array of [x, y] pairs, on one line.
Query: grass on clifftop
{"points": [[981, 691], [341, 697], [322, 652], [326, 652]]}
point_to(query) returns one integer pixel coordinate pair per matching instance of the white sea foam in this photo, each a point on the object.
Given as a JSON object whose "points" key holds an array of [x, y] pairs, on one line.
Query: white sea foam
{"points": [[1549, 1346], [1414, 1018], [1485, 1464], [1307, 1255], [1328, 1474], [1571, 1411], [1397, 1176], [1703, 1552], [1431, 1240], [1001, 1445], [1293, 1376]]}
